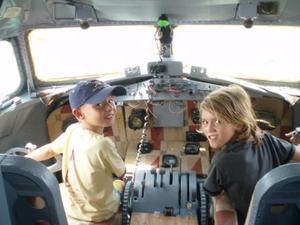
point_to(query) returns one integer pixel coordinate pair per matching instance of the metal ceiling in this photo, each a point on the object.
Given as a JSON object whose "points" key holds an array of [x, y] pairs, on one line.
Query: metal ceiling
{"points": [[15, 14]]}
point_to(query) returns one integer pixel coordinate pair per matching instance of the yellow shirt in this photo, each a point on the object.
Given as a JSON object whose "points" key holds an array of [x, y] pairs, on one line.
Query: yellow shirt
{"points": [[89, 160]]}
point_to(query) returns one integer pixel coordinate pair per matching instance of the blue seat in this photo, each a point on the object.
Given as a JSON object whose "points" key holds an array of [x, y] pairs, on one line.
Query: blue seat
{"points": [[29, 193], [276, 198]]}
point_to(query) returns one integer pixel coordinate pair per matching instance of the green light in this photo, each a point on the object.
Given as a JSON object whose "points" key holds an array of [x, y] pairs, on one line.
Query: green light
{"points": [[163, 23]]}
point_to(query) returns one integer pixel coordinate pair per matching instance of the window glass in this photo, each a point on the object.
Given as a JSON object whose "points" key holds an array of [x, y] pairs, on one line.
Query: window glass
{"points": [[73, 53], [261, 53], [10, 79]]}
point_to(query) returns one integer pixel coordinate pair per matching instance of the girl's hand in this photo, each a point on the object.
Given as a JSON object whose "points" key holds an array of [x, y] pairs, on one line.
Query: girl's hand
{"points": [[294, 136]]}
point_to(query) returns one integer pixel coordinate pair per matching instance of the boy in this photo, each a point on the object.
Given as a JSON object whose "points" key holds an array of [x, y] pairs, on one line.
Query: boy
{"points": [[89, 159]]}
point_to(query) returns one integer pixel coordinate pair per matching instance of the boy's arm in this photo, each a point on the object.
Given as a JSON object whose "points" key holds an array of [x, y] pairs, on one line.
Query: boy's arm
{"points": [[43, 153], [122, 176]]}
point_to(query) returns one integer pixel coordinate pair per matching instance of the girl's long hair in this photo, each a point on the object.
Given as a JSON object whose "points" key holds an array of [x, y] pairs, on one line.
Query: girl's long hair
{"points": [[233, 105]]}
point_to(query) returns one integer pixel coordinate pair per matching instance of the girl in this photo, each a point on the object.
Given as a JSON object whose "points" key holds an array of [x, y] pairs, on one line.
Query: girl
{"points": [[244, 152]]}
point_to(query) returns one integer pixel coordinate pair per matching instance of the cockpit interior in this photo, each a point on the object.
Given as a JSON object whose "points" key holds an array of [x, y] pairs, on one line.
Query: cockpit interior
{"points": [[169, 55]]}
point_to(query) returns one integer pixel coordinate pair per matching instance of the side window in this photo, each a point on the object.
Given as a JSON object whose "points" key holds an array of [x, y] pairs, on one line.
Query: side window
{"points": [[10, 78]]}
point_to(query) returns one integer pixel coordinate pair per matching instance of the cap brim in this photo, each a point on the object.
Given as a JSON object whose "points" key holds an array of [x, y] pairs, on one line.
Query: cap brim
{"points": [[100, 96], [118, 90]]}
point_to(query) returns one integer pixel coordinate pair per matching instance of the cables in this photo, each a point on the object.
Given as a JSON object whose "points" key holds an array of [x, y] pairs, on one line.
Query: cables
{"points": [[143, 138]]}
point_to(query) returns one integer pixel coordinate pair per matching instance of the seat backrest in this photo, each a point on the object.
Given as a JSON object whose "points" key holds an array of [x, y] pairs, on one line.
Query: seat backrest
{"points": [[276, 197], [30, 193]]}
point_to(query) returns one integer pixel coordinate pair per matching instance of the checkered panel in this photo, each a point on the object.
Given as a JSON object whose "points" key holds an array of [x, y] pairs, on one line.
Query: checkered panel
{"points": [[279, 109], [166, 141], [57, 121]]}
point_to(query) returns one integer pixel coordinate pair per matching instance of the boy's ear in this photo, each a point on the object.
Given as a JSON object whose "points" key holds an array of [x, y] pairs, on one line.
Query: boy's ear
{"points": [[77, 113]]}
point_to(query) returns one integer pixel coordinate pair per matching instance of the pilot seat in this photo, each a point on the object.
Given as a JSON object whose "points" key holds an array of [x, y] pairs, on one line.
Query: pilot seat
{"points": [[276, 197], [29, 193]]}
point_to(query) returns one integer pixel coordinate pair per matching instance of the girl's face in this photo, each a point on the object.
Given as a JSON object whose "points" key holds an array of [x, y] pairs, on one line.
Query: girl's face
{"points": [[218, 131]]}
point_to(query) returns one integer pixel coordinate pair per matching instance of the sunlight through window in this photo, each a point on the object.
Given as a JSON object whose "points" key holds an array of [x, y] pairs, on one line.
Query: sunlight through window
{"points": [[259, 53], [64, 53], [10, 80]]}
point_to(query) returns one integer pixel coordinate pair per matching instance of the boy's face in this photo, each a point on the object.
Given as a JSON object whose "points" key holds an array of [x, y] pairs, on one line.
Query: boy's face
{"points": [[217, 131], [96, 117]]}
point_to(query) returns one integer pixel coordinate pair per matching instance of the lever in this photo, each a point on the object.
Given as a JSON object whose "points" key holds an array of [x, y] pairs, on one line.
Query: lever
{"points": [[171, 174], [161, 172], [153, 171]]}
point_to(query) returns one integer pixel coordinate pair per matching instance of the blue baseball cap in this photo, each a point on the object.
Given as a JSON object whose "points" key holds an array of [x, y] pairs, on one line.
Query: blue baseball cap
{"points": [[92, 92]]}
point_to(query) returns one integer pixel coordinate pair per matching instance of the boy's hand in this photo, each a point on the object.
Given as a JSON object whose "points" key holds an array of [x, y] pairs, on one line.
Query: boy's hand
{"points": [[294, 136], [30, 147], [119, 185]]}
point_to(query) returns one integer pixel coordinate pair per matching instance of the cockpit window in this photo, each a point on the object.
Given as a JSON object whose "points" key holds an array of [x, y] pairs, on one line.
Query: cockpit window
{"points": [[60, 54], [10, 79], [261, 53]]}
